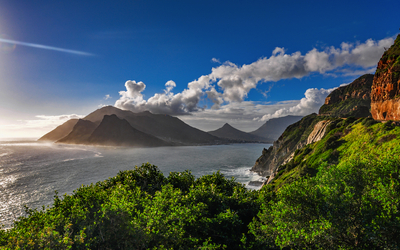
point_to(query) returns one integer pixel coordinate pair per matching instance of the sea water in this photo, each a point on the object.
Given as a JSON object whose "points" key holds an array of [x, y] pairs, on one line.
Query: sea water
{"points": [[31, 171]]}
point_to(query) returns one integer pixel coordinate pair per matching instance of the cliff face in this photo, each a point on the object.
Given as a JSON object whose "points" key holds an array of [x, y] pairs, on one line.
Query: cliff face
{"points": [[318, 132], [385, 94], [294, 137], [351, 100]]}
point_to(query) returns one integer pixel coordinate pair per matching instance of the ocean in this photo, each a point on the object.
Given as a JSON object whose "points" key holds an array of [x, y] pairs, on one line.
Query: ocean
{"points": [[31, 171]]}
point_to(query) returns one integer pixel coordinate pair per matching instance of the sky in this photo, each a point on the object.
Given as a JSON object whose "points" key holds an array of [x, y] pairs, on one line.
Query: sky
{"points": [[206, 62]]}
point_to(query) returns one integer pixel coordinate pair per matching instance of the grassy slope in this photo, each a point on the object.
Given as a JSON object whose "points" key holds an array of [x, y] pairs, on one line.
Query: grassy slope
{"points": [[347, 139]]}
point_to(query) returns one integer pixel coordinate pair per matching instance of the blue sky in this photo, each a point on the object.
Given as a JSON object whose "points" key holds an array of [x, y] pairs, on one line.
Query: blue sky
{"points": [[209, 62]]}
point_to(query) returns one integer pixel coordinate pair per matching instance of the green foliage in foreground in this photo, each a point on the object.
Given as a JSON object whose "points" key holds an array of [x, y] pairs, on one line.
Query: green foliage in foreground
{"points": [[353, 205], [342, 192], [142, 209]]}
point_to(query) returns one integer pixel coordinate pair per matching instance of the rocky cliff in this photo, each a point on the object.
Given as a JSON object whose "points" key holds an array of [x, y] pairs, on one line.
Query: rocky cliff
{"points": [[385, 94], [294, 137], [353, 99]]}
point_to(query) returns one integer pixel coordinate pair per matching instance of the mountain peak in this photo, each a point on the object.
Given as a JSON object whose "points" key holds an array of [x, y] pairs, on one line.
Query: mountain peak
{"points": [[231, 133], [226, 125]]}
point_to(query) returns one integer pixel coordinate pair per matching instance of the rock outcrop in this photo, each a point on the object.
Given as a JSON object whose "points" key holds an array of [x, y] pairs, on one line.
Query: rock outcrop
{"points": [[318, 132], [385, 94], [353, 99]]}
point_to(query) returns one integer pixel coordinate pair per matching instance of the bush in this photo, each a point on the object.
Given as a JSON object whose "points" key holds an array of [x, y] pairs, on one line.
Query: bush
{"points": [[351, 205]]}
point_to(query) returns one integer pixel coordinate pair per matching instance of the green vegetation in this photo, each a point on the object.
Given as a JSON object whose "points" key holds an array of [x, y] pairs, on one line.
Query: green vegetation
{"points": [[342, 192], [142, 209], [347, 108], [394, 51], [350, 100]]}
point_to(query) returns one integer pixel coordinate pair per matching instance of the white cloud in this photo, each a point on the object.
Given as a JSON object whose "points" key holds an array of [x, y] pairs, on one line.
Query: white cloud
{"points": [[229, 83], [215, 60], [106, 97], [241, 115], [312, 101]]}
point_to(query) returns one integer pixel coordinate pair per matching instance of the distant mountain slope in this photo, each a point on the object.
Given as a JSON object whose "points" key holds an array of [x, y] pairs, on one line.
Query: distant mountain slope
{"points": [[80, 133], [165, 127], [350, 100], [59, 132], [113, 131], [273, 128], [231, 133]]}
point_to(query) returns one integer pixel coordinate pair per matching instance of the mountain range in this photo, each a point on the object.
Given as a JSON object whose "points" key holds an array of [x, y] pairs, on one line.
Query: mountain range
{"points": [[115, 127]]}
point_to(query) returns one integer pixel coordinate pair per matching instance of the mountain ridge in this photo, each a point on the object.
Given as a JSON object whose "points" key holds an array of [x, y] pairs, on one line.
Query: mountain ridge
{"points": [[231, 133], [273, 128]]}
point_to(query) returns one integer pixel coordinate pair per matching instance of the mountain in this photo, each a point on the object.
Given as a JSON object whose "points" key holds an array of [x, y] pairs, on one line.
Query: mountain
{"points": [[165, 127], [353, 99], [113, 131], [231, 133], [80, 133], [273, 128], [385, 94], [59, 132]]}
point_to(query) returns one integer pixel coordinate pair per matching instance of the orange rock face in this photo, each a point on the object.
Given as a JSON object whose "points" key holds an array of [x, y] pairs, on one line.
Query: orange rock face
{"points": [[385, 91]]}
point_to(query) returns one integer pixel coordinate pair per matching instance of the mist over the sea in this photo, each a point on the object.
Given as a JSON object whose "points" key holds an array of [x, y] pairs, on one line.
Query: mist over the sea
{"points": [[30, 172]]}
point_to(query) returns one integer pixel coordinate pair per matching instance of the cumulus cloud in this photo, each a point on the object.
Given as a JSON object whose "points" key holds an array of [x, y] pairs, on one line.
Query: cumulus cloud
{"points": [[106, 97], [312, 101], [229, 83], [164, 103]]}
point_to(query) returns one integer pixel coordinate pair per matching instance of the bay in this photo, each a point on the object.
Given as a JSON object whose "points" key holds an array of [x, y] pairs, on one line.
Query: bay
{"points": [[30, 171]]}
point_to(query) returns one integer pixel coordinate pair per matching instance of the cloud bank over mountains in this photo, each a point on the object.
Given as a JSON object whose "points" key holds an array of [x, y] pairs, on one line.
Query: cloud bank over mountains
{"points": [[229, 83]]}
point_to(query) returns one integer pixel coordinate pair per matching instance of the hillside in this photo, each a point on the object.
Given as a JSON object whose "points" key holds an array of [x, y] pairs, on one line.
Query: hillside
{"points": [[231, 133], [294, 137], [113, 131], [274, 127], [80, 132], [353, 99], [59, 132]]}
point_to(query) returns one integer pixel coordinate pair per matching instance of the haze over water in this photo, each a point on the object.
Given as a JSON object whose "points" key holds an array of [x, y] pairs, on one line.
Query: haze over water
{"points": [[30, 172]]}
